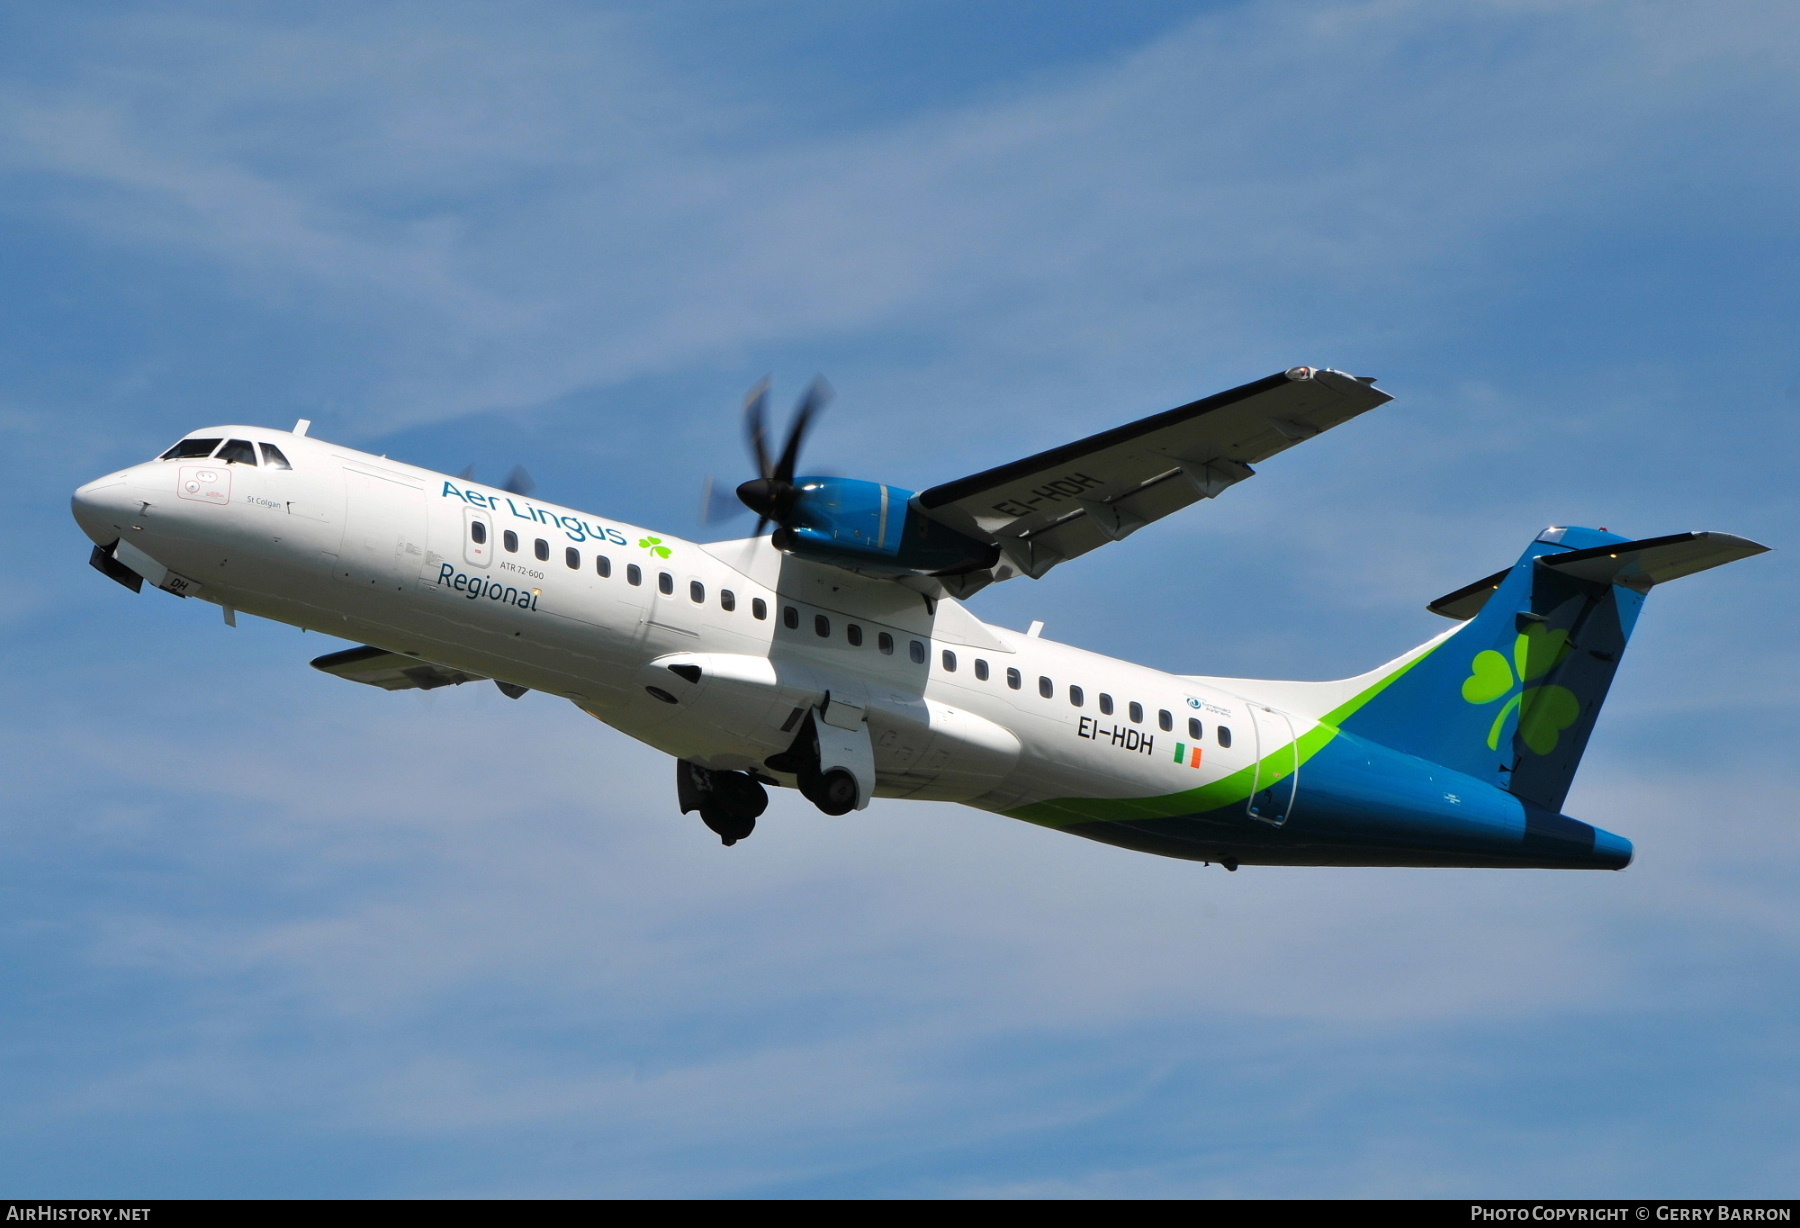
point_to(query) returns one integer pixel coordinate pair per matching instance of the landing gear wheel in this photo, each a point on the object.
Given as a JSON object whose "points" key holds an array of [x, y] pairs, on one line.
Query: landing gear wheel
{"points": [[728, 802], [730, 828], [735, 793], [834, 792]]}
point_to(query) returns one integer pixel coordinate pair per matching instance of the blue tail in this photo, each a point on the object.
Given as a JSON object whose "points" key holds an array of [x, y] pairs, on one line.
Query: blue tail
{"points": [[1512, 697]]}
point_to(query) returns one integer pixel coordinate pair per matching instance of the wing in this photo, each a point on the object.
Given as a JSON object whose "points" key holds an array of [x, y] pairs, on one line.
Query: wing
{"points": [[390, 670], [1065, 502]]}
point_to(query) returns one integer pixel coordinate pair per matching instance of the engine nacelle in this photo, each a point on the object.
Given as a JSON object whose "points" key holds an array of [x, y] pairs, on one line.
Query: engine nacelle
{"points": [[874, 528]]}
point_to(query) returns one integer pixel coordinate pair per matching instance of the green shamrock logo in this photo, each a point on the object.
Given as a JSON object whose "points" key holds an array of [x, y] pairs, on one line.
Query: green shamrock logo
{"points": [[654, 546], [1544, 711]]}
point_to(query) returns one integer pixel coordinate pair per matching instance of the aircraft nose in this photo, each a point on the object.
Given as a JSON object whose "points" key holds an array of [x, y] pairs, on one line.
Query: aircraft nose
{"points": [[101, 507]]}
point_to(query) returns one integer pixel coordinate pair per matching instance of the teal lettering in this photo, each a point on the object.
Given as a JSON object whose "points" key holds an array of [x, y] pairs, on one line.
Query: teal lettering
{"points": [[576, 526], [450, 489], [519, 514], [447, 570]]}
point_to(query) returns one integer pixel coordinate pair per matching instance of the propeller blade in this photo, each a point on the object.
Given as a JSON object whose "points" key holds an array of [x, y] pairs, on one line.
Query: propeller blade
{"points": [[755, 414], [719, 503], [818, 393], [518, 482], [468, 473]]}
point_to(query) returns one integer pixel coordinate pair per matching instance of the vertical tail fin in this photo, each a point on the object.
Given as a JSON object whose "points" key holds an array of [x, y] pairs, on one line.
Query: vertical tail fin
{"points": [[1512, 697]]}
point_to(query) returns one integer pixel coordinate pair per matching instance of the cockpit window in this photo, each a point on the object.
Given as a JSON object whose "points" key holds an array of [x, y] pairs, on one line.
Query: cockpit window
{"points": [[273, 459], [189, 449], [238, 452]]}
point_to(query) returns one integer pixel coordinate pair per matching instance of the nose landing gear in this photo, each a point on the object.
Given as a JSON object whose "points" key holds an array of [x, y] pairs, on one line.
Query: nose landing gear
{"points": [[728, 802]]}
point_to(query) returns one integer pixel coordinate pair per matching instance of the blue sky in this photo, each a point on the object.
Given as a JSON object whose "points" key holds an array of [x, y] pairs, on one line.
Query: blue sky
{"points": [[262, 933]]}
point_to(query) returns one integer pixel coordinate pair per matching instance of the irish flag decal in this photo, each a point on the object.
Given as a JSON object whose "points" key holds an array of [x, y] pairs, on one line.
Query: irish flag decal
{"points": [[1189, 755]]}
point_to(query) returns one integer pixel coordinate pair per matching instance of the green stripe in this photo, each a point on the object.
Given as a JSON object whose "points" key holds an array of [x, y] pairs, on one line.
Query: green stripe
{"points": [[1237, 787]]}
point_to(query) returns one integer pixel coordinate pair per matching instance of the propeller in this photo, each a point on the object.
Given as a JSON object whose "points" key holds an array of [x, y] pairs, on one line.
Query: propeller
{"points": [[772, 493], [518, 482], [719, 502]]}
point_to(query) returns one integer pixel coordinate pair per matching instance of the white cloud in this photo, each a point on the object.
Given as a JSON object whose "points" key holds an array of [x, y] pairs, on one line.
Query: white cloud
{"points": [[527, 208]]}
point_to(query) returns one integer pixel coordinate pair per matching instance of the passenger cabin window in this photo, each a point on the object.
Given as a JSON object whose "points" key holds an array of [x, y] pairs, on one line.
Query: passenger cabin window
{"points": [[1164, 721], [191, 449], [541, 549], [1105, 704], [696, 592], [633, 573], [885, 642], [1076, 697], [273, 459], [1224, 734], [1137, 712], [727, 600], [949, 661], [981, 670], [1196, 730], [1046, 688], [665, 584], [821, 626], [790, 618], [1013, 679], [853, 633], [238, 452], [510, 540], [602, 566], [478, 532], [916, 651], [759, 609], [572, 557]]}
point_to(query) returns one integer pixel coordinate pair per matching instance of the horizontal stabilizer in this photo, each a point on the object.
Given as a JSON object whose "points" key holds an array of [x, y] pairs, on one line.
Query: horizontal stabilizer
{"points": [[391, 671], [1638, 566], [1642, 564], [1466, 603]]}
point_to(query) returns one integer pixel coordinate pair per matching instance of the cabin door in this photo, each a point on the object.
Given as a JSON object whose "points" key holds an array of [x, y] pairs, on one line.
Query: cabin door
{"points": [[384, 532], [1276, 776]]}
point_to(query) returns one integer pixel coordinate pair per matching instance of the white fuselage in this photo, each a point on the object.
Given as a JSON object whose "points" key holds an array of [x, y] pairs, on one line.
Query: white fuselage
{"points": [[596, 611]]}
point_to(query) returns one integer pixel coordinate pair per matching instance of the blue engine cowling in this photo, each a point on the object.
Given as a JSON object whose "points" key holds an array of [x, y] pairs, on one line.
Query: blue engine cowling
{"points": [[869, 526]]}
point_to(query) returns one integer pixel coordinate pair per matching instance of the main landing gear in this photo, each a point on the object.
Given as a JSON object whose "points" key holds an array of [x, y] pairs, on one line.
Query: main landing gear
{"points": [[728, 802], [832, 763], [831, 786]]}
